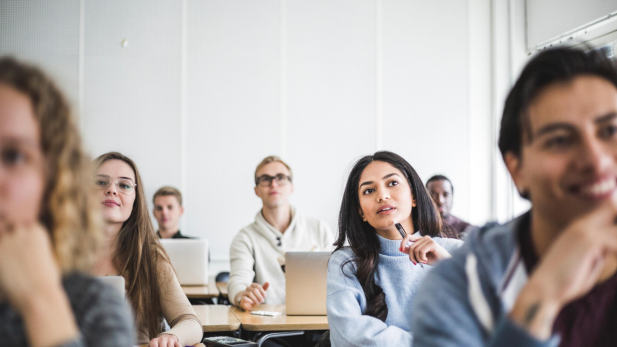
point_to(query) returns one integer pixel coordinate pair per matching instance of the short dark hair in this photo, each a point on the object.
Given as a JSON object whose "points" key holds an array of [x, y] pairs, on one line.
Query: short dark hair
{"points": [[556, 65], [440, 178]]}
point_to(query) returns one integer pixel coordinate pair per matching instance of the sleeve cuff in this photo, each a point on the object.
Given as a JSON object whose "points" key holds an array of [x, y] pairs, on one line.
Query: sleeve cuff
{"points": [[507, 333]]}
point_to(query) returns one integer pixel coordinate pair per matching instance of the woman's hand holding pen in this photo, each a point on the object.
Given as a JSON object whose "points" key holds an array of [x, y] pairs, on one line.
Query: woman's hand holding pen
{"points": [[423, 249]]}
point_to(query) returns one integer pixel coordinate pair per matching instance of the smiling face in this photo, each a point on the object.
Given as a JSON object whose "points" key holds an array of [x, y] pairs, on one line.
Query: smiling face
{"points": [[568, 164], [274, 195], [22, 177], [116, 205], [385, 196], [167, 211]]}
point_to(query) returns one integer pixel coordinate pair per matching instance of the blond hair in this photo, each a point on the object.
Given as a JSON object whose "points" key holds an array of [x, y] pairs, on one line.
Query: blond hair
{"points": [[69, 210], [167, 191], [272, 159]]}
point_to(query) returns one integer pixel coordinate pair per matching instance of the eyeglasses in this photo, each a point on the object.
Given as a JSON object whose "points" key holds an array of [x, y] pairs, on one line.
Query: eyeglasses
{"points": [[124, 185], [266, 181]]}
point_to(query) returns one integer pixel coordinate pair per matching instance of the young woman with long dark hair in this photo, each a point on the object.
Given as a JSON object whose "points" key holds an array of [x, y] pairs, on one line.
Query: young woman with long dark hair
{"points": [[372, 282], [134, 252]]}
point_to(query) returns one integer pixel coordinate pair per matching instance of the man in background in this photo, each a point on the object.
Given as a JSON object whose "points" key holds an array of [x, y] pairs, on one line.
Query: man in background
{"points": [[256, 276], [167, 211], [442, 192]]}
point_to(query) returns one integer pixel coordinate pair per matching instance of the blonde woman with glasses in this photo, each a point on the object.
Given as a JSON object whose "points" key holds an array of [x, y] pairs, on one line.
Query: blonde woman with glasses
{"points": [[50, 226], [132, 250]]}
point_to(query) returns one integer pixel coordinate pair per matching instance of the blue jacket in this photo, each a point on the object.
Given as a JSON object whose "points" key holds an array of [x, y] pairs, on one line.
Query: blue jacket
{"points": [[465, 300]]}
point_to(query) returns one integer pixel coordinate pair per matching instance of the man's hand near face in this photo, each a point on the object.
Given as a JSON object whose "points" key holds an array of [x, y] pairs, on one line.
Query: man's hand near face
{"points": [[584, 254]]}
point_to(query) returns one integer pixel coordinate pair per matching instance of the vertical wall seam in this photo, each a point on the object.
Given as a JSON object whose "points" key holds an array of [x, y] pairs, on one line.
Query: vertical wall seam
{"points": [[283, 81], [378, 77], [493, 162], [80, 71], [469, 106], [511, 20], [183, 92]]}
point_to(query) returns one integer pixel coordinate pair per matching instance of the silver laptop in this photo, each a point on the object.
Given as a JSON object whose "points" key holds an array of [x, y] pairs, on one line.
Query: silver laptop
{"points": [[305, 277], [189, 258], [115, 281]]}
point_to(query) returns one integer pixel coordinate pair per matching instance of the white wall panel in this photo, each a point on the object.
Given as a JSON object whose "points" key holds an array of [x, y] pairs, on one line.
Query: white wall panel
{"points": [[45, 33], [199, 97], [132, 94], [233, 118], [331, 93], [425, 89]]}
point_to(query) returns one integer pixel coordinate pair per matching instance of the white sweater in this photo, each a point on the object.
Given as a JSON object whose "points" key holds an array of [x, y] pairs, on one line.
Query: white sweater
{"points": [[254, 253]]}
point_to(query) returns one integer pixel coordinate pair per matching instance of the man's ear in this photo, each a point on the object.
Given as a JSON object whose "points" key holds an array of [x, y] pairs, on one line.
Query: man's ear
{"points": [[181, 210], [514, 164]]}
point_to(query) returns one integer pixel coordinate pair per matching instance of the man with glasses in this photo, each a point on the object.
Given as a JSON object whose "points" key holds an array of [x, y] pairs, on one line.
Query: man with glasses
{"points": [[258, 250]]}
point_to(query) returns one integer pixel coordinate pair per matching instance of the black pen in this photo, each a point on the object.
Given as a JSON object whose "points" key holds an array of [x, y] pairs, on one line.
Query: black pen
{"points": [[403, 233], [400, 229]]}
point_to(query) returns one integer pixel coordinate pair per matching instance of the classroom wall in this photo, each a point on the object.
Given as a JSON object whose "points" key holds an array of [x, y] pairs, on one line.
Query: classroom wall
{"points": [[205, 89]]}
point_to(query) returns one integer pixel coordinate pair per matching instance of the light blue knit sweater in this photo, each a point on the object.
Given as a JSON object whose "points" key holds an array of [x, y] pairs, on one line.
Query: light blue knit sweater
{"points": [[396, 275]]}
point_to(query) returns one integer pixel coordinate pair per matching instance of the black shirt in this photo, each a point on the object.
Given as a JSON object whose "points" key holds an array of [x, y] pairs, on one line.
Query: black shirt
{"points": [[177, 235]]}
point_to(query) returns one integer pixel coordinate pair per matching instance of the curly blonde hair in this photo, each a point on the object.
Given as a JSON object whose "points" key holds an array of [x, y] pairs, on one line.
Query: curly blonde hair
{"points": [[68, 209]]}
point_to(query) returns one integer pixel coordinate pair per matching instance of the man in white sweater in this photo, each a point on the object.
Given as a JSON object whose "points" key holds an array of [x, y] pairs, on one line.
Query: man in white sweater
{"points": [[256, 276]]}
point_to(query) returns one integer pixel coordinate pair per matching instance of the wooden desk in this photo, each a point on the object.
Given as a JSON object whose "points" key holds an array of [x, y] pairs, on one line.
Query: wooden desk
{"points": [[216, 318], [222, 287], [202, 292], [279, 323]]}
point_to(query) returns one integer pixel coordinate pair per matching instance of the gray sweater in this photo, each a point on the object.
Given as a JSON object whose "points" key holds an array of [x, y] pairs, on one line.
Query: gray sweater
{"points": [[102, 315], [465, 301], [346, 303]]}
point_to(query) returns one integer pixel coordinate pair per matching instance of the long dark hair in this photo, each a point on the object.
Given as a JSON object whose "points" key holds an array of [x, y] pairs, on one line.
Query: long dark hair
{"points": [[362, 236], [137, 256]]}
